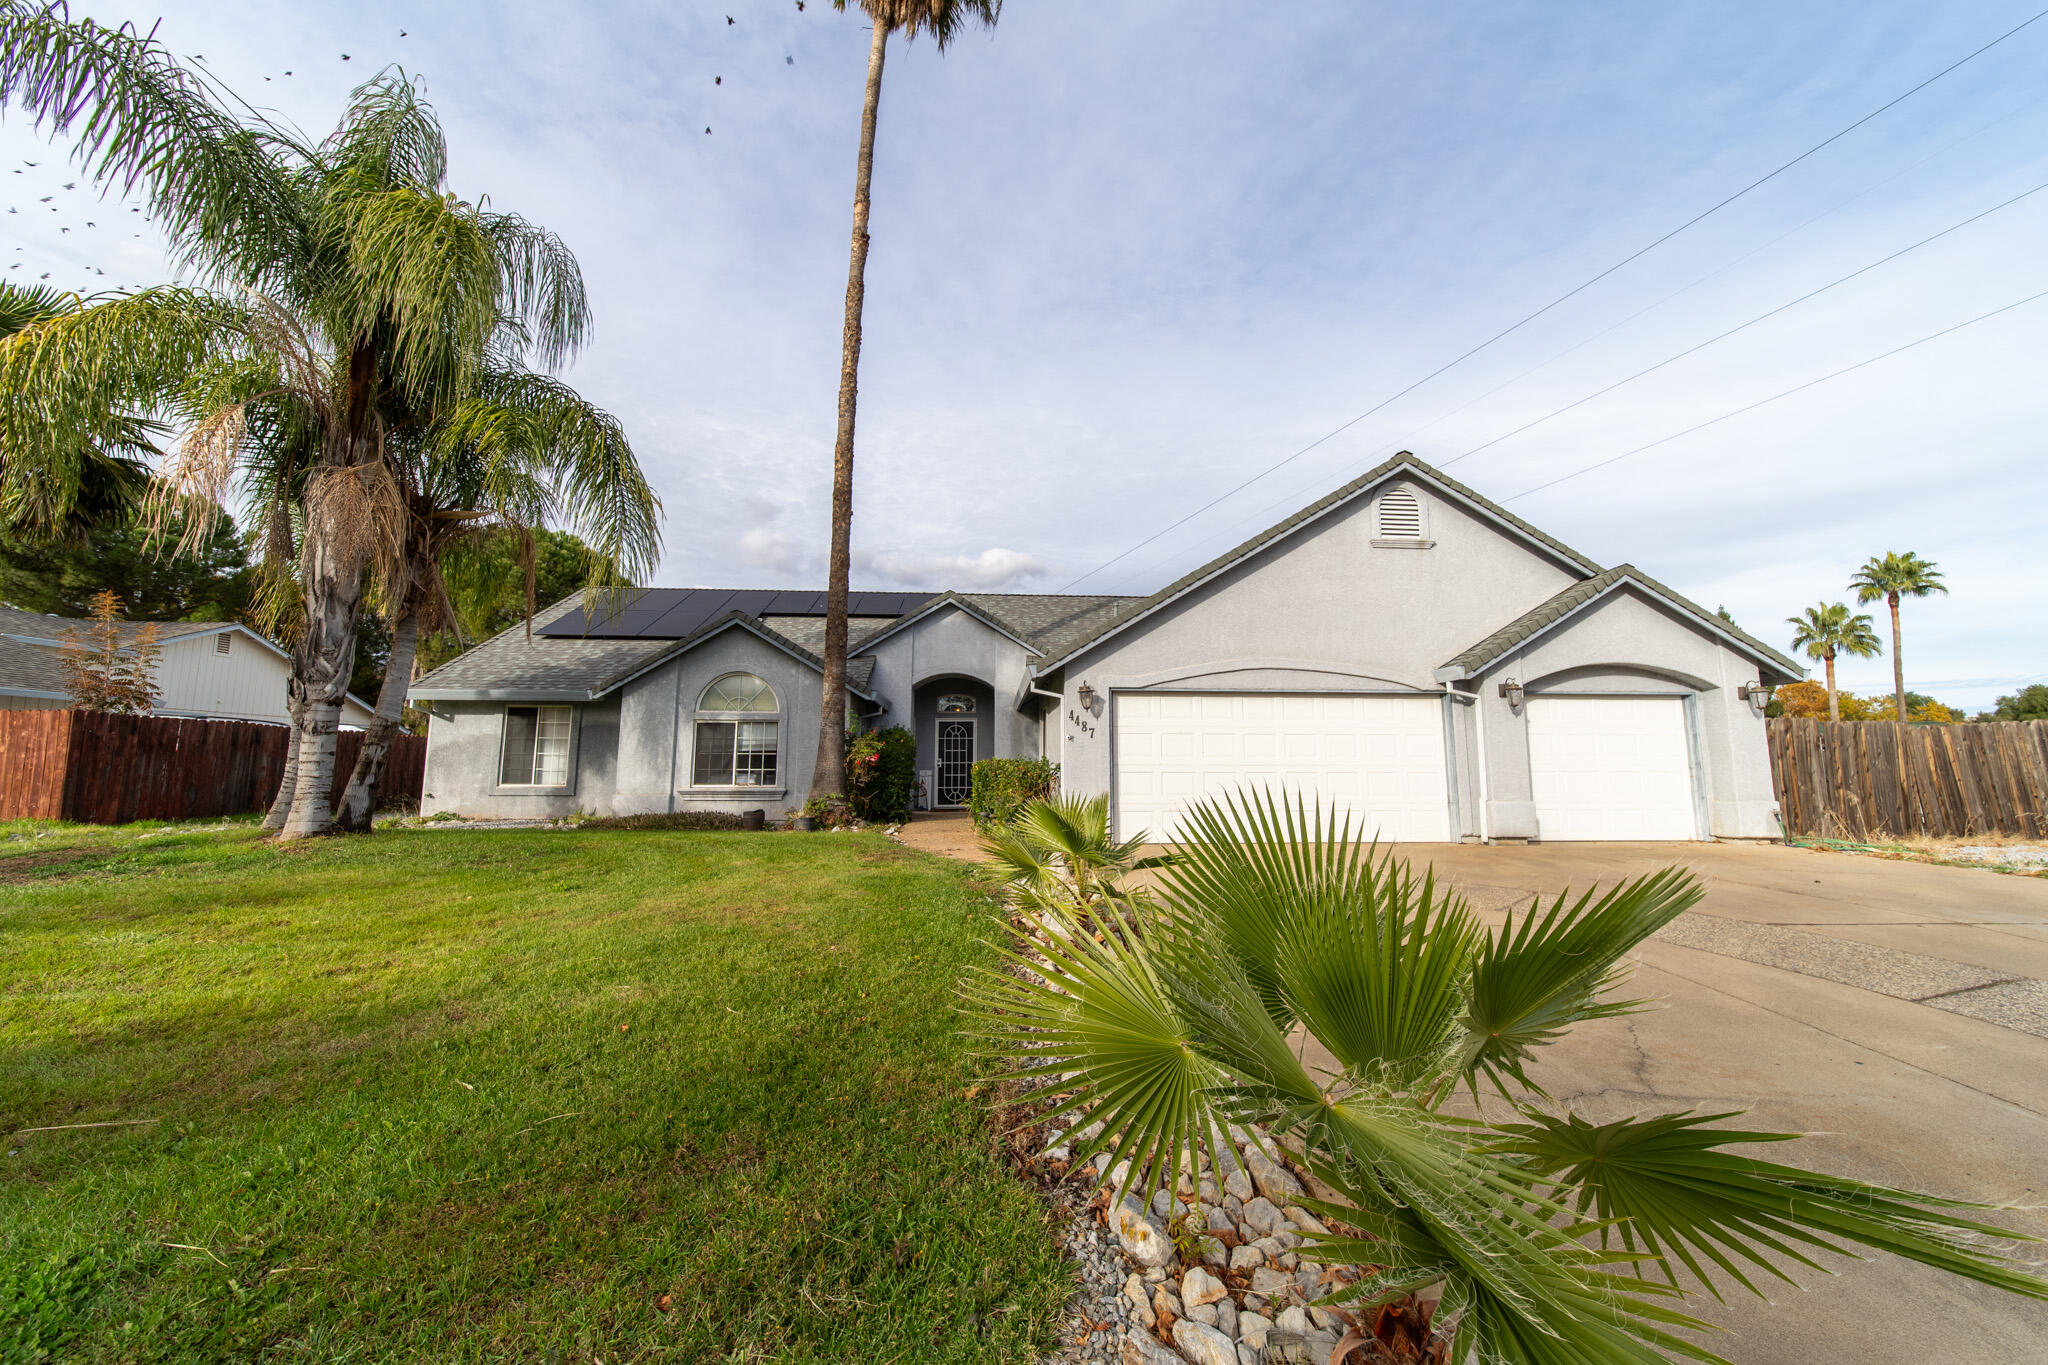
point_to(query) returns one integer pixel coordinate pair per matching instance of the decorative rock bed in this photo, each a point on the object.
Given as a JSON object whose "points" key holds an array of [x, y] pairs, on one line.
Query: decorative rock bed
{"points": [[1207, 1274]]}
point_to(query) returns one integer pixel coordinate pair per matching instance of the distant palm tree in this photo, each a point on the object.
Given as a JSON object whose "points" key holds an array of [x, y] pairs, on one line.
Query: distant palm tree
{"points": [[1827, 630], [1892, 577], [944, 20]]}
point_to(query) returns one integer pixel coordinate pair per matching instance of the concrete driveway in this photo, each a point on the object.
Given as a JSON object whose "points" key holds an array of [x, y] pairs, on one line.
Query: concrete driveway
{"points": [[1896, 1012]]}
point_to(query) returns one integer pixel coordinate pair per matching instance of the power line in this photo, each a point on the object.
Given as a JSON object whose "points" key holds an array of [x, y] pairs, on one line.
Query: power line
{"points": [[1761, 402], [1761, 317], [1694, 221]]}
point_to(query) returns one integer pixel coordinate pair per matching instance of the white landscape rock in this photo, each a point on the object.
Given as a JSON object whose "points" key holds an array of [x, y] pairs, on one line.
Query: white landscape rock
{"points": [[1275, 1181], [1263, 1217], [1294, 1319], [1252, 1328], [1140, 1298], [1203, 1344], [1238, 1183], [1141, 1349], [1304, 1220], [1247, 1257], [1271, 1283], [1199, 1286], [1143, 1240]]}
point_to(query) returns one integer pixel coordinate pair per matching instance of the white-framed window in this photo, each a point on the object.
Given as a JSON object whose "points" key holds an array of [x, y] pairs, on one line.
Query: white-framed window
{"points": [[1399, 516], [738, 734], [536, 746], [956, 704]]}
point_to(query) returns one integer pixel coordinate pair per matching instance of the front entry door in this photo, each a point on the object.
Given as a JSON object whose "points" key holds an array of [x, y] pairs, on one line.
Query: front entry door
{"points": [[955, 777]]}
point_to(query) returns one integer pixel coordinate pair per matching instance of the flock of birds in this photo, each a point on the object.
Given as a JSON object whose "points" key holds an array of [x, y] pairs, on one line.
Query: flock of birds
{"points": [[51, 202]]}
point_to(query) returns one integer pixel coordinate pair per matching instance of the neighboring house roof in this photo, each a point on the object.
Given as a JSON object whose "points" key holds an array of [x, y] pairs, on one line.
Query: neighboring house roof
{"points": [[29, 641], [30, 671], [1401, 464], [511, 667], [1577, 598]]}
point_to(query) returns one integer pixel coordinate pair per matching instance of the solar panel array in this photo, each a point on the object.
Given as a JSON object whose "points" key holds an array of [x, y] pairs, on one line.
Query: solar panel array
{"points": [[675, 613]]}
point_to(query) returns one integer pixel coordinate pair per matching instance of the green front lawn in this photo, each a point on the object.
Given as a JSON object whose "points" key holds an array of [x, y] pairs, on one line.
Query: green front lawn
{"points": [[522, 1095]]}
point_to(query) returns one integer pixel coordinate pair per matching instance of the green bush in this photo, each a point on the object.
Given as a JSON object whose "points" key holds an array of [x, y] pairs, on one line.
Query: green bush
{"points": [[1003, 785], [881, 773], [678, 819]]}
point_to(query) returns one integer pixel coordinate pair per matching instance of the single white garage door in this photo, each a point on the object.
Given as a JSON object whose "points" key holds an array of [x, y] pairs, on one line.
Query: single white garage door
{"points": [[1610, 768], [1379, 759]]}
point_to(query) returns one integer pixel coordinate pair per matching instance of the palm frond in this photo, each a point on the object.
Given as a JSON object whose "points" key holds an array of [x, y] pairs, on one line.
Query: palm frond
{"points": [[1535, 978], [1669, 1181]]}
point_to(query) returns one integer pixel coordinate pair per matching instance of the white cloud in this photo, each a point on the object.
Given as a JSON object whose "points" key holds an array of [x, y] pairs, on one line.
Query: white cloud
{"points": [[778, 551], [991, 570]]}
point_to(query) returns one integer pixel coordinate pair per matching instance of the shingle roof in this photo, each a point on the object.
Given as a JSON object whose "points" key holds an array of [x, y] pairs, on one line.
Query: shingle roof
{"points": [[541, 669], [30, 668], [15, 621], [1546, 614], [510, 667], [1402, 462], [1052, 622]]}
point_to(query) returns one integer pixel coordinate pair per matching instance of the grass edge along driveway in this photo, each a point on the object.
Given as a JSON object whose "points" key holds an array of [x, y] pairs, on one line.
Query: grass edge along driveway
{"points": [[524, 1095]]}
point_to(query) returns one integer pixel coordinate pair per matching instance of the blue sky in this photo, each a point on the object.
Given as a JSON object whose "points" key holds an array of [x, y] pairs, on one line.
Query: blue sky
{"points": [[1127, 256]]}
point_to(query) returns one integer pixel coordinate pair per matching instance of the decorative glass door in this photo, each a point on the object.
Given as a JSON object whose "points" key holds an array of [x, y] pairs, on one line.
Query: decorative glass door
{"points": [[955, 776]]}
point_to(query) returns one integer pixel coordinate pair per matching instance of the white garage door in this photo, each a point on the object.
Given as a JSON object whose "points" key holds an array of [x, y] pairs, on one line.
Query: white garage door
{"points": [[1610, 768], [1379, 759]]}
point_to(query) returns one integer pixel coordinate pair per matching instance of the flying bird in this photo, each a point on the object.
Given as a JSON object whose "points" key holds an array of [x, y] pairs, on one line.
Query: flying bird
{"points": [[71, 184], [707, 132], [15, 266], [718, 80], [63, 229], [344, 56], [728, 21], [46, 199], [45, 275], [401, 33], [789, 61]]}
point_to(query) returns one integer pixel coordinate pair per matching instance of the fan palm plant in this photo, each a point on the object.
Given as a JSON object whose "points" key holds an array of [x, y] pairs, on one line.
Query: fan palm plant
{"points": [[1891, 577], [1828, 630], [344, 265], [1056, 854], [1549, 1239], [944, 20]]}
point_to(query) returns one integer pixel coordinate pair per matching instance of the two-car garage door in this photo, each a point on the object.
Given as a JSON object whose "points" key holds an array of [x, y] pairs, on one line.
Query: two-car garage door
{"points": [[1379, 759], [1599, 767]]}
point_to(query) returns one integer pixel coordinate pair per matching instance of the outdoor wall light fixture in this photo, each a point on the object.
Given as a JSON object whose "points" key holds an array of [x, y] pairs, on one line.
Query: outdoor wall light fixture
{"points": [[1757, 694], [1086, 696], [1512, 690]]}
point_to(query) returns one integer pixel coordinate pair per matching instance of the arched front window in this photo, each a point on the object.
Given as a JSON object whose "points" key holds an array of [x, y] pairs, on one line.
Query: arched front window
{"points": [[738, 734]]}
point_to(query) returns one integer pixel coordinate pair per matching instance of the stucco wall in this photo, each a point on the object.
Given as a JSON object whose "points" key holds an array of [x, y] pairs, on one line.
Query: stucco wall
{"points": [[634, 749], [1627, 644], [951, 643], [1323, 611], [1331, 612]]}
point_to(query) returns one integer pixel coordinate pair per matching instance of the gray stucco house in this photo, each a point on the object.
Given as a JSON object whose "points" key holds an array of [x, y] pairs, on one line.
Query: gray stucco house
{"points": [[1404, 648]]}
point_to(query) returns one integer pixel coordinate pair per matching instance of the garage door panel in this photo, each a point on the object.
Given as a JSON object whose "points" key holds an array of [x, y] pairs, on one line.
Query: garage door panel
{"points": [[1610, 768], [1377, 759]]}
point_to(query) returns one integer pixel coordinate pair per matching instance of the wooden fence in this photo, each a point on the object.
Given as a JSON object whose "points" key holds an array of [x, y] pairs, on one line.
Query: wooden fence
{"points": [[106, 769], [1873, 779]]}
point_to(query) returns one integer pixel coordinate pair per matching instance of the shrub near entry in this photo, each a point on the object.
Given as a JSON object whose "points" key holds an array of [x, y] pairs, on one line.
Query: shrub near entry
{"points": [[1004, 786], [881, 773]]}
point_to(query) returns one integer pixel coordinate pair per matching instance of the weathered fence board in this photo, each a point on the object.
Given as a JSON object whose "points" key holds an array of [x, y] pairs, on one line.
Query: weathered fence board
{"points": [[1872, 779], [104, 769]]}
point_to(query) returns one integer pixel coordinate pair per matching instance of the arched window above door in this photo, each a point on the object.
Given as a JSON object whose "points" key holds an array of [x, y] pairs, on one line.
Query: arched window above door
{"points": [[956, 704]]}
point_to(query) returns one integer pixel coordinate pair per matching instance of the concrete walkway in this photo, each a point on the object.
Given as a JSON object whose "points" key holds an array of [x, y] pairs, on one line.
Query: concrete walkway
{"points": [[1894, 1011]]}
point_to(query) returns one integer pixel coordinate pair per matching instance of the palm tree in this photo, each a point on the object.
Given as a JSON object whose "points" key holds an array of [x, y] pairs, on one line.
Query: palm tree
{"points": [[1892, 577], [944, 20], [519, 449], [1057, 853], [1549, 1238], [99, 480], [1827, 630], [388, 295]]}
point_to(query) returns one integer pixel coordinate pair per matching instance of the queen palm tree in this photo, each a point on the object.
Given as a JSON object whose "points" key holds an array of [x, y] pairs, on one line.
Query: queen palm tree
{"points": [[388, 295], [102, 481], [1891, 577], [944, 20], [1827, 630], [517, 450], [1531, 1236]]}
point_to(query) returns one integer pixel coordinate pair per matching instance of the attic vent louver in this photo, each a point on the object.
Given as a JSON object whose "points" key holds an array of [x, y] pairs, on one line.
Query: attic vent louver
{"points": [[1400, 515], [223, 642]]}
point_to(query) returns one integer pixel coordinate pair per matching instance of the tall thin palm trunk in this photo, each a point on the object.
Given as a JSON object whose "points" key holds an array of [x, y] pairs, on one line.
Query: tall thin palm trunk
{"points": [[288, 787], [1834, 701], [359, 801], [828, 777], [1898, 661]]}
